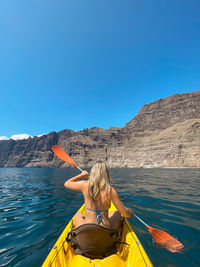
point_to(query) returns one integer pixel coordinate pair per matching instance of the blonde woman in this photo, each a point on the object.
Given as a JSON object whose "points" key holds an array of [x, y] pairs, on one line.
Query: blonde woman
{"points": [[98, 194]]}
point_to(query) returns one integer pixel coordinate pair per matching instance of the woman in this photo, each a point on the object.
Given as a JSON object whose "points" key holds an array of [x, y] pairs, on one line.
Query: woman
{"points": [[98, 194]]}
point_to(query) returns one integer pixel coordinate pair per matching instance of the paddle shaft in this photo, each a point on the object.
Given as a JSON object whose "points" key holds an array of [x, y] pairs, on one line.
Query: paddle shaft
{"points": [[140, 220], [79, 168]]}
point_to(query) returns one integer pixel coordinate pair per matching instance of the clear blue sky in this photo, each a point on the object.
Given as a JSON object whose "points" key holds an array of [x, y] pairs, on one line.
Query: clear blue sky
{"points": [[78, 64]]}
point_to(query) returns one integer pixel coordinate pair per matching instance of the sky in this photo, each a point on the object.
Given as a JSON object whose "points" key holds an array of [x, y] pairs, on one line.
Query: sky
{"points": [[78, 64]]}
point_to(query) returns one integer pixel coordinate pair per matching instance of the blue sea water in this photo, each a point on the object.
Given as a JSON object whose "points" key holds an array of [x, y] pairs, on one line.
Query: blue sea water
{"points": [[35, 208]]}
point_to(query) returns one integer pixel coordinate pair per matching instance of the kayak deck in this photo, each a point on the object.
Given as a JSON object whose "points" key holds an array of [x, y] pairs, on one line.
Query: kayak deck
{"points": [[130, 254]]}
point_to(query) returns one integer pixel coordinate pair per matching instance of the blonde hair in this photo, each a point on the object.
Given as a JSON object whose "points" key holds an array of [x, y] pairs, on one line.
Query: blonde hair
{"points": [[99, 180]]}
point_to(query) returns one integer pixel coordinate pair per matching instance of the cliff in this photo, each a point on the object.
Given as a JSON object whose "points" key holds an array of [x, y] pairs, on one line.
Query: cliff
{"points": [[165, 133]]}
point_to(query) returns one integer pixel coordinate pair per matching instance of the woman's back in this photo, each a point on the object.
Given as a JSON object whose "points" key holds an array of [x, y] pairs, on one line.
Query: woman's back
{"points": [[97, 210]]}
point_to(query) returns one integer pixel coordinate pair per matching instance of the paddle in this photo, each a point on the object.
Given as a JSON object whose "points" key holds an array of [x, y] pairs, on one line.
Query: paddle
{"points": [[59, 152], [160, 237]]}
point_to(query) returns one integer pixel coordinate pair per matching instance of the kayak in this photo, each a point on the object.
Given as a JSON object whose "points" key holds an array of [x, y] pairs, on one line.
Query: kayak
{"points": [[130, 251]]}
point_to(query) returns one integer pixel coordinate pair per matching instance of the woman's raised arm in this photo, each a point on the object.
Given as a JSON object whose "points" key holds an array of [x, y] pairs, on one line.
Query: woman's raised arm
{"points": [[74, 183]]}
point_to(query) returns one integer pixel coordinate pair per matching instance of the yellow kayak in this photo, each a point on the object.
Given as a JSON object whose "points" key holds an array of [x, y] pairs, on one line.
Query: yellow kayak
{"points": [[130, 251]]}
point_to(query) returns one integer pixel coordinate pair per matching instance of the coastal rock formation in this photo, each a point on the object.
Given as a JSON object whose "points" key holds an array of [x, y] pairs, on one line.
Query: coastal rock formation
{"points": [[165, 133]]}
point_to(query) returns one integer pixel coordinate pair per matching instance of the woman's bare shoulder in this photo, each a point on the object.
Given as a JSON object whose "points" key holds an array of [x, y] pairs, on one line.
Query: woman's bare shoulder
{"points": [[85, 185]]}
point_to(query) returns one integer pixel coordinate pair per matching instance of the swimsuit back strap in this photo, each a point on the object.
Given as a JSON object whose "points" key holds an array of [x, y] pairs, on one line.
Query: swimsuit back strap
{"points": [[98, 214]]}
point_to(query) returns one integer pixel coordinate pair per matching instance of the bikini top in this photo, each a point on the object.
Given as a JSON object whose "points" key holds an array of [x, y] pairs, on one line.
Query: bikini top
{"points": [[98, 214]]}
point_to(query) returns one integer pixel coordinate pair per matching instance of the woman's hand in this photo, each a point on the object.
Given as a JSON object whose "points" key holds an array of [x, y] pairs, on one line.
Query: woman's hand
{"points": [[84, 174], [130, 211]]}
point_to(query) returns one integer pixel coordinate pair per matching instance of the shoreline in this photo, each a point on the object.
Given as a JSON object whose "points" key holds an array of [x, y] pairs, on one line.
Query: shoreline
{"points": [[46, 167]]}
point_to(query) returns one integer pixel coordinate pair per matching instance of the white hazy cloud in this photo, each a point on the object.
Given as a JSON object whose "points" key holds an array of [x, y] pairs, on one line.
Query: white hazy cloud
{"points": [[20, 136], [40, 135], [4, 138]]}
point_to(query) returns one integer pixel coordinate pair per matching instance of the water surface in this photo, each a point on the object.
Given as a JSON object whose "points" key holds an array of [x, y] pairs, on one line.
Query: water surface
{"points": [[35, 208]]}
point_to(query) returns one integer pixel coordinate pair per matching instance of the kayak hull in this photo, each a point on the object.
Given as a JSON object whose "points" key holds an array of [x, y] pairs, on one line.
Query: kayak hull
{"points": [[130, 254]]}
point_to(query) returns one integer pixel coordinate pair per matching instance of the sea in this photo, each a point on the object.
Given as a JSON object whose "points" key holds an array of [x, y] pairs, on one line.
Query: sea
{"points": [[35, 208]]}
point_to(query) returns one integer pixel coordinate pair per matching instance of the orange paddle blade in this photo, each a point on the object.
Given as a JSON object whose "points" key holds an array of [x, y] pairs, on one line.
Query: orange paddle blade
{"points": [[165, 240], [59, 152]]}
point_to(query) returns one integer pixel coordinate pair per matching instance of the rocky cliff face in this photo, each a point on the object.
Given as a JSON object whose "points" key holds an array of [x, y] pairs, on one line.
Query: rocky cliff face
{"points": [[166, 112], [165, 133]]}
